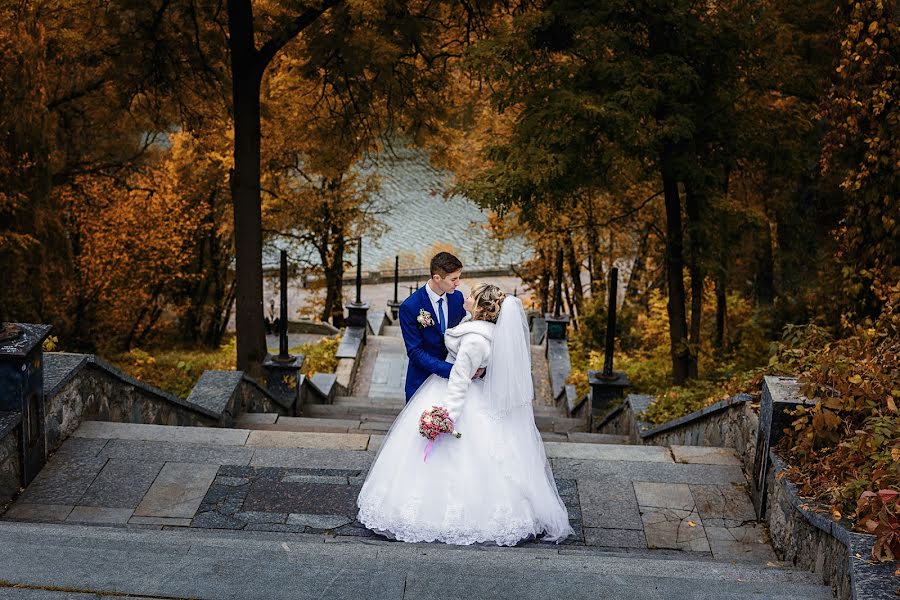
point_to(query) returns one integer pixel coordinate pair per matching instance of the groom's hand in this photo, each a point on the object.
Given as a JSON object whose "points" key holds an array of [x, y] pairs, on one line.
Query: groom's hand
{"points": [[479, 373]]}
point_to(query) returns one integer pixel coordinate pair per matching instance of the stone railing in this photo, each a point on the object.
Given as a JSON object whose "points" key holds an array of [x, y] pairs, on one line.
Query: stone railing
{"points": [[804, 534], [801, 532], [229, 393], [83, 387]]}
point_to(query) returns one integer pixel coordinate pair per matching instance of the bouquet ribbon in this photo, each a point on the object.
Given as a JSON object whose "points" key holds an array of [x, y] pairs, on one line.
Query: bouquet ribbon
{"points": [[428, 447]]}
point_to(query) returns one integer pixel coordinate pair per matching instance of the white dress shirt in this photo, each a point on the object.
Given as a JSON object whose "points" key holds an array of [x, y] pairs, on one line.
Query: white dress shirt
{"points": [[434, 304]]}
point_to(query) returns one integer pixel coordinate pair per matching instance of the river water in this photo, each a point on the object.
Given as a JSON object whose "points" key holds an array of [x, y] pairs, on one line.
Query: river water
{"points": [[421, 217]]}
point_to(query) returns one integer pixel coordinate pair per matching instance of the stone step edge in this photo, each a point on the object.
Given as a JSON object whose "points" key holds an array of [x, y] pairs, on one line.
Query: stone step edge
{"points": [[206, 436], [561, 557], [324, 424]]}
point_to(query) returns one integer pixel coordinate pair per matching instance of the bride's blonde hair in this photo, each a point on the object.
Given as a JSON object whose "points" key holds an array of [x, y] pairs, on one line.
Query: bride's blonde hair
{"points": [[488, 299]]}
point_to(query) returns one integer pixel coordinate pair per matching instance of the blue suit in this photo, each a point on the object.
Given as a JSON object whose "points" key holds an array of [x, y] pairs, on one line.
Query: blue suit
{"points": [[425, 345]]}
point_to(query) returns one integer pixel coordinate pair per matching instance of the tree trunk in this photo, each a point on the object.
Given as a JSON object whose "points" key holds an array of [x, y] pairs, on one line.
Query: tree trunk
{"points": [[637, 269], [765, 275], [694, 210], [334, 283], [544, 284], [721, 309], [245, 193], [575, 273], [571, 308], [598, 282], [675, 272]]}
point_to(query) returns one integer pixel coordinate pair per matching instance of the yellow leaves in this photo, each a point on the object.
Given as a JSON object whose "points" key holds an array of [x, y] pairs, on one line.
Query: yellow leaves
{"points": [[873, 27], [51, 344], [892, 406], [895, 454]]}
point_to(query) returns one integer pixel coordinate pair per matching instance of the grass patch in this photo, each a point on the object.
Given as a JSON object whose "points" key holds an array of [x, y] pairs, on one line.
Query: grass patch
{"points": [[176, 370]]}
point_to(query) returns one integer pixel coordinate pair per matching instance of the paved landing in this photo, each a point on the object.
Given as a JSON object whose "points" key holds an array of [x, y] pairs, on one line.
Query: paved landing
{"points": [[382, 370], [618, 496], [53, 562]]}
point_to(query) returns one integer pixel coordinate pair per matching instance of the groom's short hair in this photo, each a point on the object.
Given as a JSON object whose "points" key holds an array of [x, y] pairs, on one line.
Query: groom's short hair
{"points": [[443, 263]]}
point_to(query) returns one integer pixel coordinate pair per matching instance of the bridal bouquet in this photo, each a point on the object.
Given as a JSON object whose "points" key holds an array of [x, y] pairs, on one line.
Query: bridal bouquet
{"points": [[433, 423]]}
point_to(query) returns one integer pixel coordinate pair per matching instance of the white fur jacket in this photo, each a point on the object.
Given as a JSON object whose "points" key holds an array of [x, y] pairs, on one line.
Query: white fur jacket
{"points": [[468, 348]]}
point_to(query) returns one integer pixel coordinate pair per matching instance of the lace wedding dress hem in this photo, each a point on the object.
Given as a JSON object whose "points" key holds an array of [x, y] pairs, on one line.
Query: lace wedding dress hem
{"points": [[509, 533]]}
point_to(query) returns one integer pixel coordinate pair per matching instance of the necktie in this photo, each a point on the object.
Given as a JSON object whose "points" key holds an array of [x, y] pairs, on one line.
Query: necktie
{"points": [[441, 323]]}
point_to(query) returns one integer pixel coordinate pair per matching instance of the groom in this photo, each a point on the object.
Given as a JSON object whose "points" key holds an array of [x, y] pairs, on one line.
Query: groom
{"points": [[425, 316]]}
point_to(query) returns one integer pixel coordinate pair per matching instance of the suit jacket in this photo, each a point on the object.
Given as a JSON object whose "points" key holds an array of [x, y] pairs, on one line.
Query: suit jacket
{"points": [[425, 345]]}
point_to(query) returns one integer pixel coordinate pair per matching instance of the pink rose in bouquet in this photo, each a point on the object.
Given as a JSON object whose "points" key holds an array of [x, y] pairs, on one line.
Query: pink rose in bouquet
{"points": [[433, 423]]}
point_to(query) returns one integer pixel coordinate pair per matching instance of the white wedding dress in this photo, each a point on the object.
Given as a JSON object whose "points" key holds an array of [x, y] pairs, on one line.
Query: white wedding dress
{"points": [[493, 484]]}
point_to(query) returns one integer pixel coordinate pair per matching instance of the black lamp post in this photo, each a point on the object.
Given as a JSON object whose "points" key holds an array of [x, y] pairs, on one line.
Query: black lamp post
{"points": [[357, 311], [608, 386], [394, 304], [283, 370]]}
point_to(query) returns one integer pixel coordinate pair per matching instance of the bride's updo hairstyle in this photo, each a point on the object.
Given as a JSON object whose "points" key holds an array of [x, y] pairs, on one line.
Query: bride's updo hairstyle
{"points": [[488, 299]]}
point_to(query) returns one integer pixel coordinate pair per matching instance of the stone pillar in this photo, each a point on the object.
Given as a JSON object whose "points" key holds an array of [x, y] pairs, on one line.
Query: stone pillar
{"points": [[22, 390], [557, 326], [283, 377], [606, 391], [779, 395]]}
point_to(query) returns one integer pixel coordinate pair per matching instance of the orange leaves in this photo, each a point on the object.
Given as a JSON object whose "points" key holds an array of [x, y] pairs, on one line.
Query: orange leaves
{"points": [[850, 441], [135, 239], [877, 514]]}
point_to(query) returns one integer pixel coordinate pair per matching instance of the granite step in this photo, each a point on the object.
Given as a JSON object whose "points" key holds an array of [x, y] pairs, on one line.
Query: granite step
{"points": [[387, 401], [43, 559], [350, 407], [379, 423]]}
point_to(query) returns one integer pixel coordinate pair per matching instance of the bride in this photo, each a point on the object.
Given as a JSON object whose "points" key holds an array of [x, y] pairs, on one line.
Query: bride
{"points": [[492, 484]]}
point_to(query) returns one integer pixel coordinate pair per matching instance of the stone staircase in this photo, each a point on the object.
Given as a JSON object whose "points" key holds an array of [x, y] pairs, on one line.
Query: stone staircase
{"points": [[182, 512], [267, 510], [353, 414]]}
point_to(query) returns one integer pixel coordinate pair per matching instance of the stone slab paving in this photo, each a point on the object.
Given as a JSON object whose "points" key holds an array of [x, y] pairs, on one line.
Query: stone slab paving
{"points": [[162, 433], [38, 512], [121, 484], [389, 371], [63, 481], [619, 497], [140, 451], [609, 505], [305, 421], [608, 452], [99, 515], [382, 369], [177, 491], [290, 439]]}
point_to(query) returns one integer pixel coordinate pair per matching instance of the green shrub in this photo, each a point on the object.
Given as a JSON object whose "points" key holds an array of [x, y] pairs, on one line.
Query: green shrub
{"points": [[176, 370], [320, 356]]}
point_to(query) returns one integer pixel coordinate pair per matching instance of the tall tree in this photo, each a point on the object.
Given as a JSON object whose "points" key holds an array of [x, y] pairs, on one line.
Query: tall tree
{"points": [[862, 148], [380, 64]]}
